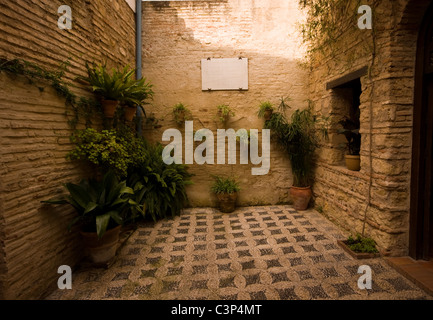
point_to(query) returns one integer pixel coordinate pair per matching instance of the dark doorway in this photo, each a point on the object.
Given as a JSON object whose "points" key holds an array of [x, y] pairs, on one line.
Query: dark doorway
{"points": [[421, 218]]}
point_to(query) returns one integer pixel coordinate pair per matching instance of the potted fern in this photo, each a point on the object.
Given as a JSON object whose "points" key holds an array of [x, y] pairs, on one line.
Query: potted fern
{"points": [[226, 191], [265, 110], [109, 85], [102, 207], [299, 138], [136, 92]]}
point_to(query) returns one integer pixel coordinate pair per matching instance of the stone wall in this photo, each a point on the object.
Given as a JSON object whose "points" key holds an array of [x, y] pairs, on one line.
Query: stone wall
{"points": [[177, 35], [386, 126], [34, 134]]}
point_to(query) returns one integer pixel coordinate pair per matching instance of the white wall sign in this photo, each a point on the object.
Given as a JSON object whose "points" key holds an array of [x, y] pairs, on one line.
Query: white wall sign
{"points": [[224, 74]]}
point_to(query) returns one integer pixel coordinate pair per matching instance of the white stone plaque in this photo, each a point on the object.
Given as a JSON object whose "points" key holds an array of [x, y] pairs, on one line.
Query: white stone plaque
{"points": [[224, 74]]}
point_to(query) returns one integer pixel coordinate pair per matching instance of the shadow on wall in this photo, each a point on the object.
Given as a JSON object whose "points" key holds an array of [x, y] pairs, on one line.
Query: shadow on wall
{"points": [[172, 56]]}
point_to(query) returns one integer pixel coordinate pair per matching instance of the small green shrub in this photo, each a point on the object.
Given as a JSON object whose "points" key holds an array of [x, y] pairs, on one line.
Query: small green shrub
{"points": [[225, 185], [224, 112], [181, 113], [108, 149], [164, 185], [361, 244]]}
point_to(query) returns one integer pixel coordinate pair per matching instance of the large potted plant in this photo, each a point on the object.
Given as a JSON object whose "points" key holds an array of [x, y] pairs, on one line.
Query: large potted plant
{"points": [[226, 191], [110, 86], [299, 138], [102, 207], [350, 129]]}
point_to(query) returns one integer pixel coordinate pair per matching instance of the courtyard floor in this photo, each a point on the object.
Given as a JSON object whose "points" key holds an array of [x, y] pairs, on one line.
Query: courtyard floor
{"points": [[257, 253]]}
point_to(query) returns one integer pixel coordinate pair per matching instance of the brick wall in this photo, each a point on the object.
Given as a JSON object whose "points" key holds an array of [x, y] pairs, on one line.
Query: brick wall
{"points": [[177, 35], [343, 194], [34, 134]]}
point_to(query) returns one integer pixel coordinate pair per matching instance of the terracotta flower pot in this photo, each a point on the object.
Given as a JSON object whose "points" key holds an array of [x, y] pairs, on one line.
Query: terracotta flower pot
{"points": [[109, 107], [268, 114], [227, 201], [101, 251], [353, 163], [130, 112], [301, 197]]}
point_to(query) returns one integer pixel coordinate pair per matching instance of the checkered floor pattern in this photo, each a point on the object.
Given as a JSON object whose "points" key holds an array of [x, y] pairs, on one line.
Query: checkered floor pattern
{"points": [[255, 253]]}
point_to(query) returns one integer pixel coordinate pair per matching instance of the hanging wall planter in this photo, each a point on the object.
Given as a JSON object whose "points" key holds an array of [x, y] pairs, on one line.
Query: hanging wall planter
{"points": [[109, 107], [130, 112]]}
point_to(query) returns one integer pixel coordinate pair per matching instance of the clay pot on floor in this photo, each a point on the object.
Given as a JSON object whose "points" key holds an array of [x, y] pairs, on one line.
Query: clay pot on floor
{"points": [[301, 197], [109, 107], [101, 251], [353, 163], [227, 202]]}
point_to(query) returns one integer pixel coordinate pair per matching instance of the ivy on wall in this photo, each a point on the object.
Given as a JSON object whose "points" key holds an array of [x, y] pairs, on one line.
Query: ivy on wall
{"points": [[325, 26], [83, 108]]}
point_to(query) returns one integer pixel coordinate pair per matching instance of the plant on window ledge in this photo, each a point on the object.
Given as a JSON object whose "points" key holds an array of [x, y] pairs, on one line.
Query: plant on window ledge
{"points": [[350, 129]]}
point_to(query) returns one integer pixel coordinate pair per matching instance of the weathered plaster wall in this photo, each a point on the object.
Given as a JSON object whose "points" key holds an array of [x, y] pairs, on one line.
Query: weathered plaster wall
{"points": [[34, 134], [177, 35], [388, 94]]}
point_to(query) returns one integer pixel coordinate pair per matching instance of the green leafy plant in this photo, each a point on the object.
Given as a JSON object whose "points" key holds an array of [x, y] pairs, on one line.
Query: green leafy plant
{"points": [[181, 113], [284, 104], [225, 185], [264, 107], [111, 85], [327, 21], [224, 113], [108, 149], [137, 92], [164, 185], [350, 129], [300, 139], [100, 205], [361, 244]]}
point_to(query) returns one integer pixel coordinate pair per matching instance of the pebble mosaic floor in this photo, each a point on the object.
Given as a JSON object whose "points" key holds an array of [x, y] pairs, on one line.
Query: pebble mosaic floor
{"points": [[255, 253]]}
